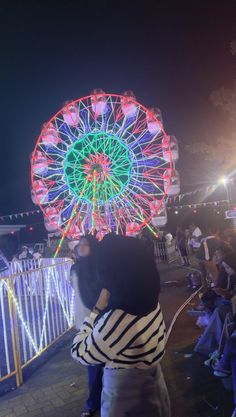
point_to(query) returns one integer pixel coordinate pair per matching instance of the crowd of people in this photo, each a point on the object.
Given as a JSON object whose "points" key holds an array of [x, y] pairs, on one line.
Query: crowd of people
{"points": [[215, 260], [25, 253], [121, 332], [188, 242]]}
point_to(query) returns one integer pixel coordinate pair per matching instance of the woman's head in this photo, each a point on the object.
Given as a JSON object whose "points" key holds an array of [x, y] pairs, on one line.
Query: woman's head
{"points": [[86, 268], [83, 248], [86, 246], [127, 269], [25, 249]]}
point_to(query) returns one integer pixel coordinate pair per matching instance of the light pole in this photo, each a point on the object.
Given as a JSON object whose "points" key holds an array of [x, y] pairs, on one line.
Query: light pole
{"points": [[225, 182], [230, 214]]}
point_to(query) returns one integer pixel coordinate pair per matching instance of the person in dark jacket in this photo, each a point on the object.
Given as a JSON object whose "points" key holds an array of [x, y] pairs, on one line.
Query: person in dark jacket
{"points": [[181, 246], [87, 288]]}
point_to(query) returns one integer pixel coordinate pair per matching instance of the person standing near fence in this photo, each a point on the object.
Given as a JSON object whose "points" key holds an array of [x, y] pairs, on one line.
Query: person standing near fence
{"points": [[148, 240], [182, 246], [25, 254], [126, 332], [206, 257], [169, 238], [196, 236], [84, 280]]}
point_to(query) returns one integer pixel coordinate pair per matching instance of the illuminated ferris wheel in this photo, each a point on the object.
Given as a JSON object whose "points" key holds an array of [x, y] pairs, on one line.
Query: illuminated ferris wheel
{"points": [[104, 163]]}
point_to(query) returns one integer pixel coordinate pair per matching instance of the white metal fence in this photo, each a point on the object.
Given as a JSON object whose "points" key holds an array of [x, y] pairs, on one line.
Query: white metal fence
{"points": [[164, 252], [36, 308]]}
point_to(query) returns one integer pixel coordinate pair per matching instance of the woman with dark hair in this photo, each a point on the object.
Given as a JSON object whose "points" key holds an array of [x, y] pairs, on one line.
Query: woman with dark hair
{"points": [[128, 271], [126, 332], [84, 279]]}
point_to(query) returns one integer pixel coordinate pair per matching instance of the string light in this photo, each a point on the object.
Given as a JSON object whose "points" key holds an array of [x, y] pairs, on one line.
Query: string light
{"points": [[222, 203], [56, 281], [45, 312], [52, 276], [20, 315]]}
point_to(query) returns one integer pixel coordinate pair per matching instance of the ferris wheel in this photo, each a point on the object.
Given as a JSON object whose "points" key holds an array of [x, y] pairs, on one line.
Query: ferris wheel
{"points": [[104, 163]]}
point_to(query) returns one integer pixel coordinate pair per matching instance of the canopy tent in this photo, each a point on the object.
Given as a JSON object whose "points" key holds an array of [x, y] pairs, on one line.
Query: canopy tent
{"points": [[8, 229]]}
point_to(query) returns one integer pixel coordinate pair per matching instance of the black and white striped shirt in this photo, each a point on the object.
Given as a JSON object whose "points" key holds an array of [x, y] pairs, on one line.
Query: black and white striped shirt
{"points": [[121, 340]]}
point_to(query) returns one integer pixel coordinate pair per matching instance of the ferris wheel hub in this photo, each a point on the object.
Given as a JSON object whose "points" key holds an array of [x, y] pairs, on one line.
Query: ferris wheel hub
{"points": [[97, 166]]}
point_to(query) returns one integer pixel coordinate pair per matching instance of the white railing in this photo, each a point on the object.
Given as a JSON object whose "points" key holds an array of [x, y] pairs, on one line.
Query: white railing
{"points": [[164, 252], [36, 308]]}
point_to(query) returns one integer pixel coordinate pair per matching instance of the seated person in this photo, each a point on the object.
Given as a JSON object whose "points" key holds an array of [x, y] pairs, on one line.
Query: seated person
{"points": [[227, 272], [222, 295], [223, 368]]}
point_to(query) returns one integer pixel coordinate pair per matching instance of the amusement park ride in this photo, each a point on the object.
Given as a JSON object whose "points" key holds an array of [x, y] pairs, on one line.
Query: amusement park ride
{"points": [[104, 163]]}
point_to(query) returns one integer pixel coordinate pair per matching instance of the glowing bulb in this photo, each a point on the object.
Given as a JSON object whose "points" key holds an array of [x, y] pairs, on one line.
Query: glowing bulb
{"points": [[176, 212], [224, 180]]}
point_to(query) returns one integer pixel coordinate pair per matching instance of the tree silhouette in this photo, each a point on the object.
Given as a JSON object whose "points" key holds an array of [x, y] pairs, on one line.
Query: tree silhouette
{"points": [[221, 149]]}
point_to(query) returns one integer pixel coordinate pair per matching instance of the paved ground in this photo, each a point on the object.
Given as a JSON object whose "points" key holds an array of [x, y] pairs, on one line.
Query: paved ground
{"points": [[58, 388]]}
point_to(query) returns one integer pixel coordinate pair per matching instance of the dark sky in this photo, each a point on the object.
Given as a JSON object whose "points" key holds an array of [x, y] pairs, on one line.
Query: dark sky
{"points": [[170, 55]]}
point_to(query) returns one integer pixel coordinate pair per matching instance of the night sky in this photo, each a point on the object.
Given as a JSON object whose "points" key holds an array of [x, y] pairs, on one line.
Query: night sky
{"points": [[171, 56]]}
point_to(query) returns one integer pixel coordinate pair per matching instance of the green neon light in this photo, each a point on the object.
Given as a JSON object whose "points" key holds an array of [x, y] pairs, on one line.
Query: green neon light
{"points": [[101, 156]]}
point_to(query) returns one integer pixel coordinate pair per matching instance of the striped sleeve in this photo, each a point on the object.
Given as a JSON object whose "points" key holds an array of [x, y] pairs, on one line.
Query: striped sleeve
{"points": [[121, 339], [88, 346]]}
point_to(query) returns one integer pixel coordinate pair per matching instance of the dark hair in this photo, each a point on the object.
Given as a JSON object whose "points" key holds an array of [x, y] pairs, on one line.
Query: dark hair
{"points": [[148, 240], [127, 269], [86, 270]]}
